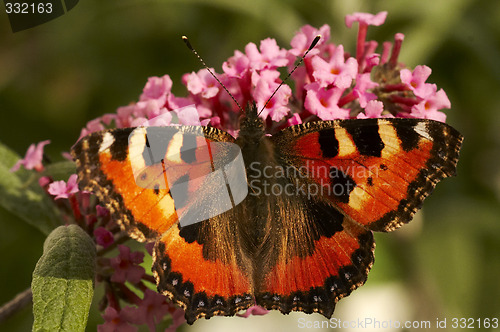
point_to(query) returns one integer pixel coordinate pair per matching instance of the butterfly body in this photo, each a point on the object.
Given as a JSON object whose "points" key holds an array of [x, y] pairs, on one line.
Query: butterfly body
{"points": [[302, 238]]}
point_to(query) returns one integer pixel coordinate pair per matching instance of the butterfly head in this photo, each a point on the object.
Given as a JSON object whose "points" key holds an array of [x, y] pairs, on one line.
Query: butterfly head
{"points": [[251, 125]]}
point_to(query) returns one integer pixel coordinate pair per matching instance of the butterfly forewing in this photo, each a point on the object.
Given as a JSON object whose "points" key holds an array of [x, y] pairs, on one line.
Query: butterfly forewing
{"points": [[375, 171]]}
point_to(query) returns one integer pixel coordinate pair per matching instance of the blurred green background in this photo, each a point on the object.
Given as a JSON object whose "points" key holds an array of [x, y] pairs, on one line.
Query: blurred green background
{"points": [[57, 76]]}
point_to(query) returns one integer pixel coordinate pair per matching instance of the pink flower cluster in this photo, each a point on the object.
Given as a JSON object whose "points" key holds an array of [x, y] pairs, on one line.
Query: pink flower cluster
{"points": [[150, 310], [330, 84]]}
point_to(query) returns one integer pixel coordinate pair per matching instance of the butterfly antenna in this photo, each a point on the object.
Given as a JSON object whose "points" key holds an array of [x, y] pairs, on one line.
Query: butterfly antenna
{"points": [[188, 44], [314, 42]]}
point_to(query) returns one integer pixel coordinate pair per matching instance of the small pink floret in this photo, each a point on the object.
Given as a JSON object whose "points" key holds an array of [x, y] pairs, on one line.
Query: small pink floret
{"points": [[366, 18], [33, 158], [103, 237], [61, 189], [255, 311]]}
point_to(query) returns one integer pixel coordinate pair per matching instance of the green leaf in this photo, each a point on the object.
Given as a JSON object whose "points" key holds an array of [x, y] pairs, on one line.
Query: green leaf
{"points": [[60, 170], [63, 281], [21, 194]]}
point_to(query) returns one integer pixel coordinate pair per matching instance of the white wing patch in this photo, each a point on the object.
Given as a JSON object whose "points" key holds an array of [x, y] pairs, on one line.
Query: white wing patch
{"points": [[421, 129], [107, 141]]}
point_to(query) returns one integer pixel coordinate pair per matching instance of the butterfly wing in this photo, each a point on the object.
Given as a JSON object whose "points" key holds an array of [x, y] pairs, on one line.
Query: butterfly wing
{"points": [[377, 172], [149, 177], [351, 178], [318, 257], [201, 267]]}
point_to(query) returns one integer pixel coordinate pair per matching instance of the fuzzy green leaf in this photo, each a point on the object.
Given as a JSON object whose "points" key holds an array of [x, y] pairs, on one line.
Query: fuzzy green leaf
{"points": [[63, 281], [60, 170]]}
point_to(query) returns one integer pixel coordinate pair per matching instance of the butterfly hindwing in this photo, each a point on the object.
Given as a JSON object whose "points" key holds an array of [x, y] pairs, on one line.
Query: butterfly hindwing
{"points": [[376, 171], [200, 267], [321, 258]]}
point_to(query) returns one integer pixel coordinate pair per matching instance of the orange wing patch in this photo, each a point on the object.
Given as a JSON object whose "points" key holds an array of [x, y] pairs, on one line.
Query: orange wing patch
{"points": [[331, 254], [338, 264], [156, 211], [203, 287]]}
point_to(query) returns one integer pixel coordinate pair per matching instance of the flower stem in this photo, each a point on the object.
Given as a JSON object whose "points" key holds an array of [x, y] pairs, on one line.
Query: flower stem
{"points": [[398, 40], [360, 47], [20, 301]]}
